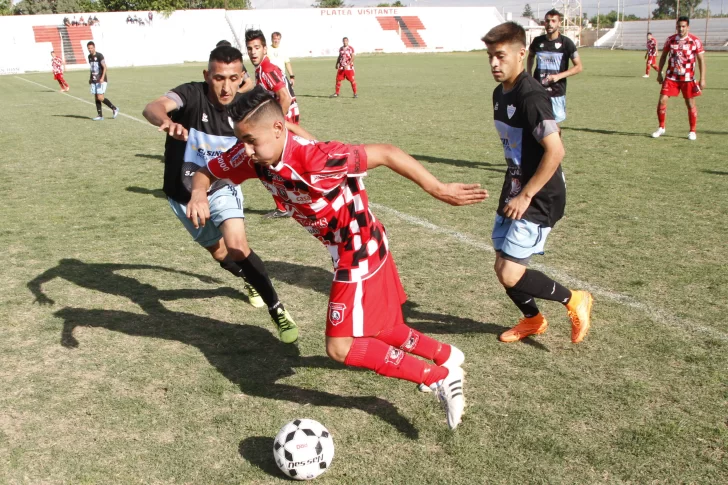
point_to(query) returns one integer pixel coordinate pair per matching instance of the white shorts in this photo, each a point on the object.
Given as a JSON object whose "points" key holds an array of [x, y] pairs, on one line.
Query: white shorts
{"points": [[98, 88], [558, 104]]}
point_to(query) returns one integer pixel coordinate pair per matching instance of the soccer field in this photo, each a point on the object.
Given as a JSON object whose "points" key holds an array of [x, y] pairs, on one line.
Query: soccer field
{"points": [[128, 356]]}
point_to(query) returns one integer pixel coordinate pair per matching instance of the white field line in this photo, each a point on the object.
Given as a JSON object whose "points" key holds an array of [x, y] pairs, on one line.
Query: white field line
{"points": [[656, 314]]}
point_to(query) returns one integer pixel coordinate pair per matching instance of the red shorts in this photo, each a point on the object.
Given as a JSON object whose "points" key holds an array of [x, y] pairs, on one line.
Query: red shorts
{"points": [[58, 77], [689, 89], [364, 308], [347, 74], [651, 60]]}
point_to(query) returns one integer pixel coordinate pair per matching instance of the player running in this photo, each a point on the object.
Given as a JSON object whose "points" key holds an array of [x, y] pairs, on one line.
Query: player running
{"points": [[98, 80], [651, 54], [684, 49], [345, 67], [321, 184], [58, 65], [552, 52], [533, 196], [199, 129]]}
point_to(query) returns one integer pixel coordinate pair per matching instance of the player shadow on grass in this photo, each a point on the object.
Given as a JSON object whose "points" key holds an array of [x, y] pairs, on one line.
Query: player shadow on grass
{"points": [[492, 167], [714, 172], [249, 356], [159, 158], [606, 132], [79, 117]]}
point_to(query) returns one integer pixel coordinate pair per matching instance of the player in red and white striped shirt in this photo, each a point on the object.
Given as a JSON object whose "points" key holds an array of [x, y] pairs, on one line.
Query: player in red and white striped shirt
{"points": [[321, 184], [58, 65], [651, 54], [345, 68], [684, 50]]}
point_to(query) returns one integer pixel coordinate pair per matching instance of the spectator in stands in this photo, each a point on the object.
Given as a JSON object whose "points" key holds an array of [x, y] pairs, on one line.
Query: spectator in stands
{"points": [[279, 57], [81, 21], [552, 52], [150, 16], [74, 22], [128, 19], [247, 84], [66, 22]]}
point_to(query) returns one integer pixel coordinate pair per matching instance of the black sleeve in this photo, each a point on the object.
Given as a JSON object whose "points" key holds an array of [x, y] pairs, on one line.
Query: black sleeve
{"points": [[571, 47], [532, 47], [186, 92], [536, 108], [100, 57]]}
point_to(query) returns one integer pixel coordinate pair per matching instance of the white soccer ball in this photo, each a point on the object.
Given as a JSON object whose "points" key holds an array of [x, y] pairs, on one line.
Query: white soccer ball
{"points": [[303, 449]]}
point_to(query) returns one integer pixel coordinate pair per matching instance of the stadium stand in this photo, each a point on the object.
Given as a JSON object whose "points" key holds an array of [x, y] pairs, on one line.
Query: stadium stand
{"points": [[632, 35]]}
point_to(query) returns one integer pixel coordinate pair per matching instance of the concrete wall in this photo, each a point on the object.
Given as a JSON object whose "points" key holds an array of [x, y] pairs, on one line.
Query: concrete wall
{"points": [[189, 35]]}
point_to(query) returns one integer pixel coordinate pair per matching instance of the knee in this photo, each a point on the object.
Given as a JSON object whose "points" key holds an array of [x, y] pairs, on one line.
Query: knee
{"points": [[238, 249], [508, 279], [338, 348], [218, 252]]}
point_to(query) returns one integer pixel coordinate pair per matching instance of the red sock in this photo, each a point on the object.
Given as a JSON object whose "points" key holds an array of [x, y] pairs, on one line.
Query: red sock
{"points": [[338, 86], [647, 71], [661, 115], [414, 342], [693, 117], [353, 86], [280, 206], [388, 361]]}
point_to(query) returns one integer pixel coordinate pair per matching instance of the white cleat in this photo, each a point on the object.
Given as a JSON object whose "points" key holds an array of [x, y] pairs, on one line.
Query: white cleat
{"points": [[98, 118], [456, 359], [116, 113], [646, 75], [692, 136], [450, 395], [658, 133]]}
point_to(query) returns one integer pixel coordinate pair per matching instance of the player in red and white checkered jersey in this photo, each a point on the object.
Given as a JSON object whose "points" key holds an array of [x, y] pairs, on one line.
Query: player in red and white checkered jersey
{"points": [[321, 184], [684, 50], [58, 64], [651, 54], [345, 68]]}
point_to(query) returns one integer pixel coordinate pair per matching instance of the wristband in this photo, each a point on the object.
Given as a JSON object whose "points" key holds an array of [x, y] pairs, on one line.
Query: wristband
{"points": [[292, 76]]}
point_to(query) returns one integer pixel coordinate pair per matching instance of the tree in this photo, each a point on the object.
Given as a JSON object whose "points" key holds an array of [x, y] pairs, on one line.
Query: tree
{"points": [[6, 7], [527, 11], [667, 9], [329, 4]]}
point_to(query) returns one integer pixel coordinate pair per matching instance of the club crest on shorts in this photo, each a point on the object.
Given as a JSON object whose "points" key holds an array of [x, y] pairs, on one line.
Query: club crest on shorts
{"points": [[336, 313], [511, 110]]}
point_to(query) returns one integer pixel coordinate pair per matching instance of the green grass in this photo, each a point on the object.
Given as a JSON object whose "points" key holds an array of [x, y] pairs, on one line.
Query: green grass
{"points": [[128, 356]]}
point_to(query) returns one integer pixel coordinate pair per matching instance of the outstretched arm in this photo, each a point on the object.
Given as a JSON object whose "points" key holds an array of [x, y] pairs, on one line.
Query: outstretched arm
{"points": [[156, 113], [400, 162], [35, 284]]}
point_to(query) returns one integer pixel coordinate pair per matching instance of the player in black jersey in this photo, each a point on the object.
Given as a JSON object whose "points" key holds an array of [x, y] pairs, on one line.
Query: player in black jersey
{"points": [[98, 80], [198, 129], [533, 196]]}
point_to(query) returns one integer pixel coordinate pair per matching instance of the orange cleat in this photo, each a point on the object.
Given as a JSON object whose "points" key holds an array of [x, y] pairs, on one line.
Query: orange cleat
{"points": [[579, 310], [526, 326]]}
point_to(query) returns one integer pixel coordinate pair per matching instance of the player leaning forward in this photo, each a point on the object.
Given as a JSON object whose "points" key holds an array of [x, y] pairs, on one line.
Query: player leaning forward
{"points": [[198, 129], [321, 185], [534, 195]]}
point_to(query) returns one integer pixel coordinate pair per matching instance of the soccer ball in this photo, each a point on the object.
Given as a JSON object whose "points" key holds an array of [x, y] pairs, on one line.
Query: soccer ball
{"points": [[303, 449]]}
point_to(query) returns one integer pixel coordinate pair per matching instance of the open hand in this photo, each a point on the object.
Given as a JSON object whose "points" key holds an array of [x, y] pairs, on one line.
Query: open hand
{"points": [[175, 130], [461, 194]]}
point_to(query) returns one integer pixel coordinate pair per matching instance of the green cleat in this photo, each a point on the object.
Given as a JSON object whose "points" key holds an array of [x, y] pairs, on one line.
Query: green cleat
{"points": [[287, 328], [254, 298]]}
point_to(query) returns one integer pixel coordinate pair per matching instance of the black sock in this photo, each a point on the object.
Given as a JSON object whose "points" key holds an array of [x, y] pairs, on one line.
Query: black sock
{"points": [[525, 303], [538, 285], [255, 274], [109, 104], [98, 107]]}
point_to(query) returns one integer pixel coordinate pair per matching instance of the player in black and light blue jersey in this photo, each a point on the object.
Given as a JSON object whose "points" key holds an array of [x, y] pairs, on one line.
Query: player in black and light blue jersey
{"points": [[552, 52], [533, 196], [199, 129], [98, 79]]}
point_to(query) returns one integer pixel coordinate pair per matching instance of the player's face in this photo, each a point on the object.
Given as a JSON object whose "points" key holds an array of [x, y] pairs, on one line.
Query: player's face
{"points": [[223, 80], [92, 49], [346, 42], [263, 139], [553, 23], [275, 40], [256, 51], [506, 61], [683, 28]]}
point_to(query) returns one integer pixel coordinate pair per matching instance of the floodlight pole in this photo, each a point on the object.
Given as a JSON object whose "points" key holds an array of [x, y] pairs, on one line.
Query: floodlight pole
{"points": [[707, 17], [598, 4], [649, 14]]}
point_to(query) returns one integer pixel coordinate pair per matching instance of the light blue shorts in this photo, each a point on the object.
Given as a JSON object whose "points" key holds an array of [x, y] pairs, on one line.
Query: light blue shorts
{"points": [[98, 88], [518, 240], [226, 203], [558, 105]]}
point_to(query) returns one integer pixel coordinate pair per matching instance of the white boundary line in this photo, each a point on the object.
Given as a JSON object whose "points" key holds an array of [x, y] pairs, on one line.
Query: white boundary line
{"points": [[655, 314]]}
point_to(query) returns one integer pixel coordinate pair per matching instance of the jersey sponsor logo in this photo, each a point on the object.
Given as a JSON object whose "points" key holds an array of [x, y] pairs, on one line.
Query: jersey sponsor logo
{"points": [[511, 110], [204, 117], [336, 313], [321, 223], [303, 199], [549, 61], [237, 159], [201, 147], [324, 176]]}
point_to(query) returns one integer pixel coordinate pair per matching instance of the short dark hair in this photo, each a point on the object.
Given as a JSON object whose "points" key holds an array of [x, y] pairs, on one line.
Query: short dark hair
{"points": [[649, 33], [252, 34], [275, 33], [345, 38], [507, 32], [223, 43], [553, 12], [683, 18], [90, 43], [226, 54], [258, 101]]}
